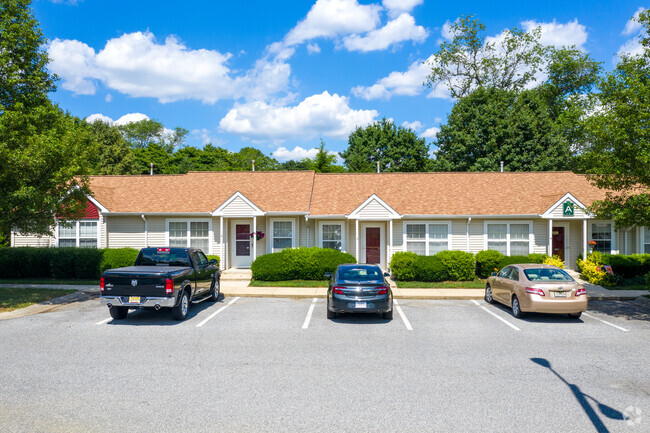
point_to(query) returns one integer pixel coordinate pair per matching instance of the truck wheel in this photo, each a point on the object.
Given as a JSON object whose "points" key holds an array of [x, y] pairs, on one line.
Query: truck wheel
{"points": [[179, 312], [118, 313], [216, 292]]}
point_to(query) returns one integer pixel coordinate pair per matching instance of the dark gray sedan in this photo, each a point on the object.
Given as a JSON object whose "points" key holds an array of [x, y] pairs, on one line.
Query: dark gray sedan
{"points": [[359, 289]]}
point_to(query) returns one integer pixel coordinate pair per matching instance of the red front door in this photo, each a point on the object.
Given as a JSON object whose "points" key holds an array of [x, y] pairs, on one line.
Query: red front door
{"points": [[558, 242], [373, 245]]}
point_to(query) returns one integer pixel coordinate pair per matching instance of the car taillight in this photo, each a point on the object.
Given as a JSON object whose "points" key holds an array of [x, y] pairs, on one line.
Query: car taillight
{"points": [[534, 291], [101, 284], [169, 286], [338, 290], [581, 291], [381, 290]]}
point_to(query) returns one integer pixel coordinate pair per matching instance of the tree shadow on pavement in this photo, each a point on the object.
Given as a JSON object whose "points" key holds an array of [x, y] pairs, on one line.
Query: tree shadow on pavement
{"points": [[638, 309]]}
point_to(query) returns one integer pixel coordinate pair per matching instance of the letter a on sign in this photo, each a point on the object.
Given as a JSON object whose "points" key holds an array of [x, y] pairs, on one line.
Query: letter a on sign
{"points": [[568, 209]]}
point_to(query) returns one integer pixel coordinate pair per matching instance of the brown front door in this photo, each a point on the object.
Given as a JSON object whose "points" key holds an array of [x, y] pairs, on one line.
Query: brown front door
{"points": [[242, 257], [558, 242], [373, 245]]}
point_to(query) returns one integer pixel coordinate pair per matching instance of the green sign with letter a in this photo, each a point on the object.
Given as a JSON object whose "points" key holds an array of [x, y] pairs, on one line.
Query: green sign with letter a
{"points": [[568, 209]]}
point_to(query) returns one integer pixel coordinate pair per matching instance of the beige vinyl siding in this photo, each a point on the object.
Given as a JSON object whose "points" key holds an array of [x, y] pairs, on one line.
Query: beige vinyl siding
{"points": [[237, 207], [575, 244], [558, 212], [125, 232], [540, 237], [476, 236], [398, 235], [102, 230], [21, 240], [262, 243], [374, 209], [157, 229], [308, 234]]}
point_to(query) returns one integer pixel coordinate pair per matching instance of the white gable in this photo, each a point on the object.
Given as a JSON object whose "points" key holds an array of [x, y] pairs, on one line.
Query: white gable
{"points": [[375, 209], [238, 206], [556, 211]]}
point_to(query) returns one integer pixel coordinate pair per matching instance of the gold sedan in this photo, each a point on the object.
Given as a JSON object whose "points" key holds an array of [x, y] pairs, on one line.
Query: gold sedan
{"points": [[536, 288]]}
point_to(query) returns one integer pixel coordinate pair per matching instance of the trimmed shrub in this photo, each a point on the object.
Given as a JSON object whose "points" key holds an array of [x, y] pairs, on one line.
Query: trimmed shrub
{"points": [[486, 262], [627, 266], [117, 258], [402, 265], [458, 265], [215, 258], [514, 260], [429, 268], [554, 261], [298, 264]]}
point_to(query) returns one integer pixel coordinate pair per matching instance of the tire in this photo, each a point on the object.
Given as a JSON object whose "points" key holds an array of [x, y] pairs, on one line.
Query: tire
{"points": [[488, 294], [388, 315], [574, 315], [118, 313], [516, 308], [331, 314], [179, 312], [216, 292]]}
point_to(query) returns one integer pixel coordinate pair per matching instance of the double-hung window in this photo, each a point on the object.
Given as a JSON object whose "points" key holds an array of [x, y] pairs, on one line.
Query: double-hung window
{"points": [[646, 240], [510, 239], [332, 235], [601, 233], [282, 235], [189, 234], [78, 234], [426, 239]]}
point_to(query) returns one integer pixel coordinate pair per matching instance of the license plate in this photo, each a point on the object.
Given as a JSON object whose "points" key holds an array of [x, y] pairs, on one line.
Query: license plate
{"points": [[560, 294], [360, 305], [134, 299]]}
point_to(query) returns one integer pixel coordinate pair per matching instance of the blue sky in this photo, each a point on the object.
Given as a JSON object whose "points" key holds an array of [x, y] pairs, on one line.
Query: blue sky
{"points": [[281, 75]]}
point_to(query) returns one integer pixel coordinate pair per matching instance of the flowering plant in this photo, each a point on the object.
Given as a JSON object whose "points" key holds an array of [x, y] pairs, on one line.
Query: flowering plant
{"points": [[258, 235], [592, 245]]}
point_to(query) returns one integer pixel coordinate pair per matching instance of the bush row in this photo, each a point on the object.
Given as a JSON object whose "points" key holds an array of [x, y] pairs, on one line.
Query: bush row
{"points": [[299, 264], [454, 265], [62, 263]]}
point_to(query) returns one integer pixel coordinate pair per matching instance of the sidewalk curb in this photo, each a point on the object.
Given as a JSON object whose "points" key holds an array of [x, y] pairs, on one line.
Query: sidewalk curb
{"points": [[46, 306]]}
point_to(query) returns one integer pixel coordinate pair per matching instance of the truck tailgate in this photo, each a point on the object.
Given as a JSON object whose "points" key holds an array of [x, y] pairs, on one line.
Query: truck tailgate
{"points": [[144, 281]]}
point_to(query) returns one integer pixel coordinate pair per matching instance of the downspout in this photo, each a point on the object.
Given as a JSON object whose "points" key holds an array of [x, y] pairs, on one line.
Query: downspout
{"points": [[307, 226], [146, 231], [469, 220]]}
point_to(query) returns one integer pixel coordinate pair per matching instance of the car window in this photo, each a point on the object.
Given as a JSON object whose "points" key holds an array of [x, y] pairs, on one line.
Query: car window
{"points": [[514, 274], [203, 260], [505, 272], [360, 274], [163, 257], [545, 274]]}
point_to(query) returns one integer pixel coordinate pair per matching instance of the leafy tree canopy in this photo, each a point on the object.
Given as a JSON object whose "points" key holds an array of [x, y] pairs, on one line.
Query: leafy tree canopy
{"points": [[148, 131], [395, 148]]}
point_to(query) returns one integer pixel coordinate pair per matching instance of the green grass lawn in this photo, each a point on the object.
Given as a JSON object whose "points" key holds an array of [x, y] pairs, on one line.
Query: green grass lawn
{"points": [[630, 287], [47, 281], [12, 299], [289, 283], [476, 284]]}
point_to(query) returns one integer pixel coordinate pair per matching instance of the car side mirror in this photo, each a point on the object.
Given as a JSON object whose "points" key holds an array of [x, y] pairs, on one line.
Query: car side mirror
{"points": [[213, 261], [494, 274], [328, 275], [386, 274]]}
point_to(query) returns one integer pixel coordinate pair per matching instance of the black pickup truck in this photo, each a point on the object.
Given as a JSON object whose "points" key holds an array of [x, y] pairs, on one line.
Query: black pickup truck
{"points": [[161, 278]]}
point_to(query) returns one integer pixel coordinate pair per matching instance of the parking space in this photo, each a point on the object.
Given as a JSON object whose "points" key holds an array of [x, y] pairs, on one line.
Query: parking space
{"points": [[272, 364]]}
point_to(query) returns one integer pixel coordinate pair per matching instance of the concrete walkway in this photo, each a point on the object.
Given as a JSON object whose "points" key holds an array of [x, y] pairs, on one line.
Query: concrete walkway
{"points": [[599, 293]]}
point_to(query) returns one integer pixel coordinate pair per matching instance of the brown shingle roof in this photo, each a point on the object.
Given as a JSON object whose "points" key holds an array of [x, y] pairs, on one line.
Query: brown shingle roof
{"points": [[203, 191], [340, 194], [450, 193]]}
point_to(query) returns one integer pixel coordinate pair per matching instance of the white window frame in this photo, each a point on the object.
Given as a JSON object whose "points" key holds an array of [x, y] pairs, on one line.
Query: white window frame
{"points": [[612, 234], [531, 237], [77, 237], [189, 230], [293, 232], [427, 240], [332, 222], [643, 240]]}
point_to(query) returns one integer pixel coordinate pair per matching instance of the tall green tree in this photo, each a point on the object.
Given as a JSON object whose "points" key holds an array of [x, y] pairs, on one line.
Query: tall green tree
{"points": [[471, 60], [148, 131], [492, 125], [397, 149], [113, 154], [24, 77], [44, 152], [324, 161], [617, 150]]}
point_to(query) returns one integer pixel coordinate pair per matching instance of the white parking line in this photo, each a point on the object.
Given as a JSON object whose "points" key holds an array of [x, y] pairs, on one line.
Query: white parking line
{"points": [[217, 312], [401, 313], [493, 314], [309, 313], [607, 323], [104, 321]]}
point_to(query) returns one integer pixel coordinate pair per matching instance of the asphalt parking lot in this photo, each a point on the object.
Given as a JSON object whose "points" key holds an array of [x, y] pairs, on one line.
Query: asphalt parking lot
{"points": [[259, 364]]}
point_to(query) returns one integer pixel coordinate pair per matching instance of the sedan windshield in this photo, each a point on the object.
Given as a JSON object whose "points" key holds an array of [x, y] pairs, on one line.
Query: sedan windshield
{"points": [[360, 274], [545, 274]]}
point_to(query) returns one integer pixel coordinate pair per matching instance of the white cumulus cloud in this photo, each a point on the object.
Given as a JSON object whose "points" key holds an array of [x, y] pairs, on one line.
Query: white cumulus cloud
{"points": [[284, 154], [559, 34], [401, 29], [98, 116], [318, 115], [430, 132], [633, 25], [313, 49], [137, 65], [397, 7], [413, 125], [631, 47]]}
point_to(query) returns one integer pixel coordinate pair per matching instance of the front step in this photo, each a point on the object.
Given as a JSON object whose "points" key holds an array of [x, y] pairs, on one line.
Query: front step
{"points": [[236, 275]]}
